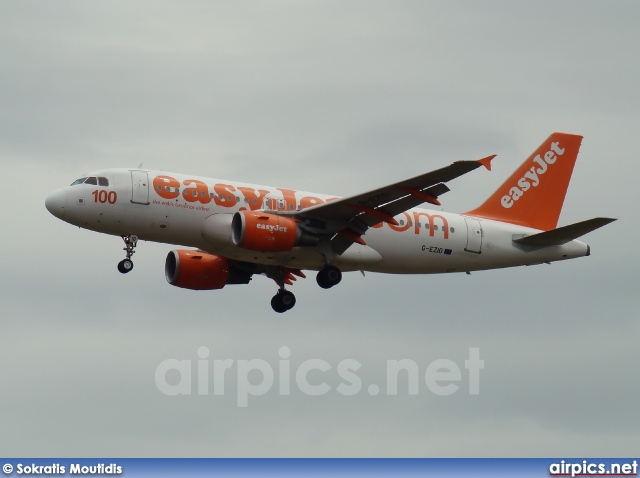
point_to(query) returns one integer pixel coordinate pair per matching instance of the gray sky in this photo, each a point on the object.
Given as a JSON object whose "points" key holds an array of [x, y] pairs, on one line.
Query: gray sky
{"points": [[334, 97]]}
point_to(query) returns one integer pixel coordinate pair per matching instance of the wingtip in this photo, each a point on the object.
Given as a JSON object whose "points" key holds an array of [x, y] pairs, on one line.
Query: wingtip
{"points": [[486, 162], [606, 220]]}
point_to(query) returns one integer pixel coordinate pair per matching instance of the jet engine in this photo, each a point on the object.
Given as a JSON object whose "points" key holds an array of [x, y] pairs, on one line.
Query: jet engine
{"points": [[258, 231], [196, 270]]}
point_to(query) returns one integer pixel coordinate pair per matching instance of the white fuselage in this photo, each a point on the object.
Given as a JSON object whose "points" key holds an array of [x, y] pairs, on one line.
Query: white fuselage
{"points": [[191, 208]]}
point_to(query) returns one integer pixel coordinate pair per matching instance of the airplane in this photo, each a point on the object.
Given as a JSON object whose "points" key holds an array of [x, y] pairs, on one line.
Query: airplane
{"points": [[237, 230]]}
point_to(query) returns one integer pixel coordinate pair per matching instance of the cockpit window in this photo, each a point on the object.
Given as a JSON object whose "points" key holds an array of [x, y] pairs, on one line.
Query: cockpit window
{"points": [[92, 180]]}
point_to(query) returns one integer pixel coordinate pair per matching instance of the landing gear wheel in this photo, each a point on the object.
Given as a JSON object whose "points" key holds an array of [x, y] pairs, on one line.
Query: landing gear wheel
{"points": [[328, 277], [283, 301], [125, 265]]}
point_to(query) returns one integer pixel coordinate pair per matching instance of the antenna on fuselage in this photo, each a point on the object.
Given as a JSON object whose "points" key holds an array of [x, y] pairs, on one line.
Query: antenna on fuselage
{"points": [[140, 166]]}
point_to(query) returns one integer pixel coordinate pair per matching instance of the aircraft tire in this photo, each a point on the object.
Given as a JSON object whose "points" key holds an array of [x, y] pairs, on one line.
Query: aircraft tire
{"points": [[125, 265], [283, 301], [328, 277]]}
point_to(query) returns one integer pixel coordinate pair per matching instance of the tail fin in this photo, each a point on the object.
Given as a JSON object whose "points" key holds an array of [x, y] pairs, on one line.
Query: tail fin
{"points": [[534, 194]]}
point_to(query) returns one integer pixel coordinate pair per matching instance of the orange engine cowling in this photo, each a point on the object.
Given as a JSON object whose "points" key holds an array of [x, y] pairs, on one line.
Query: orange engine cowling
{"points": [[196, 270], [258, 231]]}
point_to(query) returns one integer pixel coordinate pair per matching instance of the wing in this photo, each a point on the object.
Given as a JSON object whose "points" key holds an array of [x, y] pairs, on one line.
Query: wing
{"points": [[347, 219]]}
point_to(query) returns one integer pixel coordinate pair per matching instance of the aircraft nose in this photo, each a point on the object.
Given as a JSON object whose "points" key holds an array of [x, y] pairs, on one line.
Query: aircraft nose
{"points": [[56, 203]]}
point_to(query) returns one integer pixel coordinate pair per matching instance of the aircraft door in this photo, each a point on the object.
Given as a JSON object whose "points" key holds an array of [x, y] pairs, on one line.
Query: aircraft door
{"points": [[139, 187], [474, 235]]}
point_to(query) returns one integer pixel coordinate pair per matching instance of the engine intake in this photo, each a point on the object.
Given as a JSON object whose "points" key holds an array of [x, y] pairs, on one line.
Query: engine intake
{"points": [[258, 231]]}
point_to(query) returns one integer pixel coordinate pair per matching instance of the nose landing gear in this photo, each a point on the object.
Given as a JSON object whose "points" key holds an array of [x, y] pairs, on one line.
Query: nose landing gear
{"points": [[130, 242]]}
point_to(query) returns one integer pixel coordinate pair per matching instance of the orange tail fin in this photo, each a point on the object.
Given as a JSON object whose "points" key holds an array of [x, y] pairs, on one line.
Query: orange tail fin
{"points": [[534, 194]]}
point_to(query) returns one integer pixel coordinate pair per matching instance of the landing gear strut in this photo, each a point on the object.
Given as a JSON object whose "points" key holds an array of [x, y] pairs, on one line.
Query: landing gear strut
{"points": [[130, 242], [328, 276]]}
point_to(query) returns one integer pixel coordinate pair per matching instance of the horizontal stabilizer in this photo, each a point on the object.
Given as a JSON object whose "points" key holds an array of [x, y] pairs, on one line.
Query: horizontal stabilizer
{"points": [[562, 235]]}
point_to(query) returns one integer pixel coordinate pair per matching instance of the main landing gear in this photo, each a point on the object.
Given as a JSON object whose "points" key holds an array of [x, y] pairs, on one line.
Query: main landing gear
{"points": [[328, 276], [285, 300], [130, 242]]}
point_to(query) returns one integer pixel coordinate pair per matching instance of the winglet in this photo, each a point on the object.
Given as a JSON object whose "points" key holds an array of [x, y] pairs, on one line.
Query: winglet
{"points": [[486, 162]]}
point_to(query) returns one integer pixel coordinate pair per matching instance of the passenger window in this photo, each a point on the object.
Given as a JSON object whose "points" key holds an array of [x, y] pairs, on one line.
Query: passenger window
{"points": [[435, 227], [103, 182], [78, 181], [451, 229], [91, 180], [444, 228]]}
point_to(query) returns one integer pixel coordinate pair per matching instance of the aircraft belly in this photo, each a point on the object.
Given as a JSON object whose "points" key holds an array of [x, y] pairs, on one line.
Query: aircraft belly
{"points": [[298, 257], [358, 257]]}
